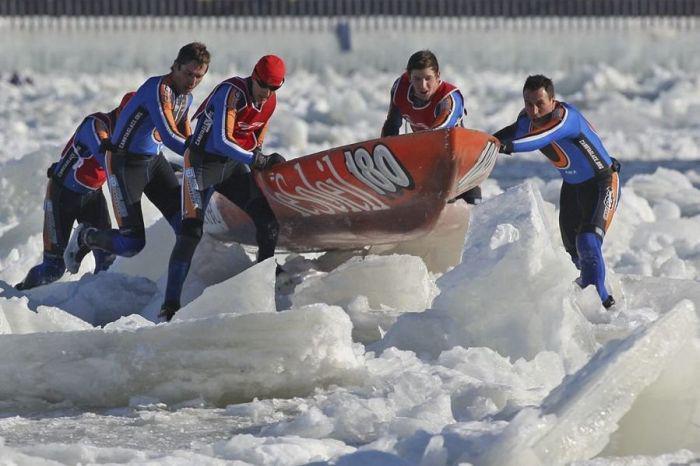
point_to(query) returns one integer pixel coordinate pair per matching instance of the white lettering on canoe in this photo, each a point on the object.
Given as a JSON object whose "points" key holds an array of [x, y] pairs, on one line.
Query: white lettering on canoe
{"points": [[481, 169], [380, 171], [328, 196]]}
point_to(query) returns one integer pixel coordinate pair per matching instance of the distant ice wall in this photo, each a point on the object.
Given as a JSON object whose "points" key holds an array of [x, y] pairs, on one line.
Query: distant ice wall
{"points": [[91, 45]]}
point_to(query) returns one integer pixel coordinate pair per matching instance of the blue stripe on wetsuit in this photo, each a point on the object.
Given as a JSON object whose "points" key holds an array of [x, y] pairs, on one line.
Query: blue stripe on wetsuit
{"points": [[573, 136], [218, 141], [143, 114]]}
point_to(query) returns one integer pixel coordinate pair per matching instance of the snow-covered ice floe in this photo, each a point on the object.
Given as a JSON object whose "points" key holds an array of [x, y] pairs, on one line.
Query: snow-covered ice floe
{"points": [[223, 359]]}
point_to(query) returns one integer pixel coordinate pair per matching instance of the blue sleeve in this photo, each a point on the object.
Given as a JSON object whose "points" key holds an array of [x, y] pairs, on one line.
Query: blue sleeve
{"points": [[457, 112], [158, 101], [87, 134], [561, 128], [394, 120], [221, 142], [87, 141], [515, 130], [392, 124]]}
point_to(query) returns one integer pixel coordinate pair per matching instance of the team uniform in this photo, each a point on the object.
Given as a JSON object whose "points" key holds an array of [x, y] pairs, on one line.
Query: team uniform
{"points": [[590, 190], [444, 109], [135, 165], [227, 138], [74, 193]]}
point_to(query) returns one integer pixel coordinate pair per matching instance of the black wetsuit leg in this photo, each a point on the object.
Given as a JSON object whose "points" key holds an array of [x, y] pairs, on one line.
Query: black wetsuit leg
{"points": [[201, 173], [163, 189], [570, 216], [61, 208], [241, 189]]}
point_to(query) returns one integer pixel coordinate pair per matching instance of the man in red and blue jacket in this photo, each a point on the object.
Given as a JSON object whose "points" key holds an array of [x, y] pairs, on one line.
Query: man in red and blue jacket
{"points": [[74, 192], [426, 102], [226, 144]]}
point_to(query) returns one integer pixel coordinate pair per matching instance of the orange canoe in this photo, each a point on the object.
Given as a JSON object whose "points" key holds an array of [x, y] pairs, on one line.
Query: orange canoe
{"points": [[382, 191]]}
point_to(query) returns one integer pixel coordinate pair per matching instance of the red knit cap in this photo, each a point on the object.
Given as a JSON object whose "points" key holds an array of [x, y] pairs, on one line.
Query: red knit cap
{"points": [[270, 70]]}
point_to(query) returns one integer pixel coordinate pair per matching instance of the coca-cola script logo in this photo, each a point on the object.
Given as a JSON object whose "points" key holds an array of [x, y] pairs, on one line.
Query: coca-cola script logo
{"points": [[333, 193]]}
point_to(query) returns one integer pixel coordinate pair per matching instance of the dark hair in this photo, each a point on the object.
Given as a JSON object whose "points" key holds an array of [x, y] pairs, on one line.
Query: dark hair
{"points": [[196, 52], [421, 60], [532, 83]]}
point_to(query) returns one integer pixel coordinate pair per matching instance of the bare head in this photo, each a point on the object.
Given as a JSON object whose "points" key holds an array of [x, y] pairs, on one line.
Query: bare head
{"points": [[424, 72], [538, 95], [190, 66]]}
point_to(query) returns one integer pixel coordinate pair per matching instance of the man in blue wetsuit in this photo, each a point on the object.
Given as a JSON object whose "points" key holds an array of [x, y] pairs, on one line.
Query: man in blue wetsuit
{"points": [[74, 192], [590, 189], [156, 115]]}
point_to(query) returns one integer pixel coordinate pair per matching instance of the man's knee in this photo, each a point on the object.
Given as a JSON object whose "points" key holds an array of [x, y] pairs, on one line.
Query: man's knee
{"points": [[187, 241], [592, 228]]}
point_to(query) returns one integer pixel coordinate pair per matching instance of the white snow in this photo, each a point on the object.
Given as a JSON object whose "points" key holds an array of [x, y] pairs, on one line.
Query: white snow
{"points": [[469, 346], [487, 301], [575, 420], [222, 359]]}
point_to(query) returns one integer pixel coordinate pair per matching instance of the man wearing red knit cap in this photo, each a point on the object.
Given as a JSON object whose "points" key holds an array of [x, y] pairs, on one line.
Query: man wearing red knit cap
{"points": [[269, 74], [226, 144]]}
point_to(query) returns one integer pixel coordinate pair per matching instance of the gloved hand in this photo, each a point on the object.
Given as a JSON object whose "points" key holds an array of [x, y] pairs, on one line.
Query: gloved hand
{"points": [[263, 161], [506, 147], [275, 158]]}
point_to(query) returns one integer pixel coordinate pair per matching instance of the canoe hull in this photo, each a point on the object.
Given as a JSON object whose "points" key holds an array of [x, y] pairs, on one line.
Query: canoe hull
{"points": [[382, 191]]}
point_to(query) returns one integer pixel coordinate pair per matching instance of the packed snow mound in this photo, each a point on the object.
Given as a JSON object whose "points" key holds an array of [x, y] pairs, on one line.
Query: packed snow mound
{"points": [[222, 359], [243, 449], [96, 299], [59, 454], [24, 182], [17, 318], [666, 185], [513, 291], [284, 450], [373, 290], [655, 227], [397, 281], [658, 292], [253, 290], [576, 419]]}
